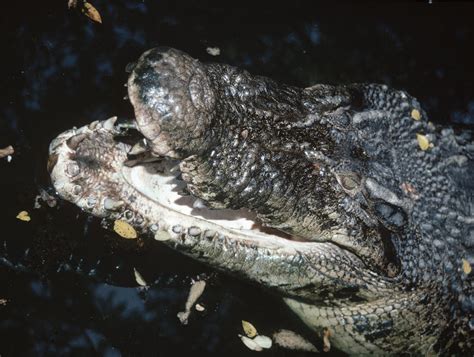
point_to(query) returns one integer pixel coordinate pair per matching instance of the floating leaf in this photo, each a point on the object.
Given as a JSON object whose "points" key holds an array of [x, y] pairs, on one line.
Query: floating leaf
{"points": [[6, 151], [251, 344], [466, 267], [415, 114], [124, 229], [139, 278], [423, 142], [249, 329], [263, 341], [213, 51], [91, 12], [23, 216]]}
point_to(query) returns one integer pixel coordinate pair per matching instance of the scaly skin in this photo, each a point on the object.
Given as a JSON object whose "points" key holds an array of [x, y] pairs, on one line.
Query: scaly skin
{"points": [[375, 235]]}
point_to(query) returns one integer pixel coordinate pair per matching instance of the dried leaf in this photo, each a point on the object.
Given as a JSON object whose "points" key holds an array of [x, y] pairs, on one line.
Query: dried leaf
{"points": [[6, 151], [251, 344], [91, 12], [139, 278], [466, 266], [23, 216], [194, 293], [423, 142], [124, 229], [249, 329], [263, 341], [415, 114], [213, 51]]}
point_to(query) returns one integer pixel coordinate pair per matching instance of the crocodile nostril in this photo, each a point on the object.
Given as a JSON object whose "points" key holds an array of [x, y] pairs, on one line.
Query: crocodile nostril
{"points": [[72, 169]]}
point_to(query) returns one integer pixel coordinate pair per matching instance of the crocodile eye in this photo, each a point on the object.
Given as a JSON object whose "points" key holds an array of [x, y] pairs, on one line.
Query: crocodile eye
{"points": [[350, 181]]}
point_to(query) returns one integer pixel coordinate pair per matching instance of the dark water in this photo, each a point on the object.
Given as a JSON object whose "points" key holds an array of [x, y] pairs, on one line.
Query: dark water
{"points": [[68, 283]]}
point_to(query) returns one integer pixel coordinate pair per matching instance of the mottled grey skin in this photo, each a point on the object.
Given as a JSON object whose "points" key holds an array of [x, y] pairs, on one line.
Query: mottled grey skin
{"points": [[376, 235]]}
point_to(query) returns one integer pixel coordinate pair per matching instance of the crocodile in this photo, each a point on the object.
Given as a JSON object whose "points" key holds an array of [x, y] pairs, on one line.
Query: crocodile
{"points": [[342, 199]]}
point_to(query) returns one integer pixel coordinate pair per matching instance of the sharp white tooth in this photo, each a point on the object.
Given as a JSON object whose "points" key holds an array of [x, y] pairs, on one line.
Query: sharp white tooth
{"points": [[138, 148], [74, 141], [93, 125], [109, 123], [199, 204], [112, 205]]}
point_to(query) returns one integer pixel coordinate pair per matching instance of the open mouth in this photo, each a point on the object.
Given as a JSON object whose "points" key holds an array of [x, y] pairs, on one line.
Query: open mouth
{"points": [[89, 168], [83, 160]]}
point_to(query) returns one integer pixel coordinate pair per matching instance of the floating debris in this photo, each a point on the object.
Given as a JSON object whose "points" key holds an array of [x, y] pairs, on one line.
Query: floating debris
{"points": [[466, 266], [194, 293], [199, 307], [87, 9], [45, 197], [213, 51], [3, 302], [124, 229], [8, 151], [326, 342], [139, 278], [423, 142], [263, 341], [291, 340], [250, 343], [249, 329], [253, 340], [415, 114], [23, 216], [91, 12]]}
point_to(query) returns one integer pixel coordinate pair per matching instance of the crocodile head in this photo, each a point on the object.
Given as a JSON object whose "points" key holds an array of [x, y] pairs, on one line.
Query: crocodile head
{"points": [[331, 197]]}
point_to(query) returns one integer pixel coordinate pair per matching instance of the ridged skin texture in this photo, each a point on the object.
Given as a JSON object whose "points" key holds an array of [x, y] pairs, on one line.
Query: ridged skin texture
{"points": [[381, 227]]}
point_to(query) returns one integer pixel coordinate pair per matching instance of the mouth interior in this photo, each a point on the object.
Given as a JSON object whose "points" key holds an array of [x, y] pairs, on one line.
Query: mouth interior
{"points": [[159, 182]]}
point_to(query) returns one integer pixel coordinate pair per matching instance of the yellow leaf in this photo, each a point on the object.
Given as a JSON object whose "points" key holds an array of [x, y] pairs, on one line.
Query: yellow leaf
{"points": [[249, 329], [415, 114], [23, 216], [466, 267], [423, 142], [91, 12], [124, 229]]}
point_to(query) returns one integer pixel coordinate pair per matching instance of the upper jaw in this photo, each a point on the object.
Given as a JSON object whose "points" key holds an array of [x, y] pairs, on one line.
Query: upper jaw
{"points": [[102, 185]]}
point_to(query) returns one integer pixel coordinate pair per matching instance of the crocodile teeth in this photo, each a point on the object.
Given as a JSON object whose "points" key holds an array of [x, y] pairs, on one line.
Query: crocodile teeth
{"points": [[74, 141], [139, 148], [109, 124], [93, 125], [199, 204], [112, 205]]}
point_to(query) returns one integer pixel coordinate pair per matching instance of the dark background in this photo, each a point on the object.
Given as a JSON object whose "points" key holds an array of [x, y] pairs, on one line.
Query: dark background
{"points": [[61, 70]]}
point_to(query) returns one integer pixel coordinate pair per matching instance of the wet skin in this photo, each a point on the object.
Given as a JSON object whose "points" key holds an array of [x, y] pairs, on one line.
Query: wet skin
{"points": [[323, 195]]}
